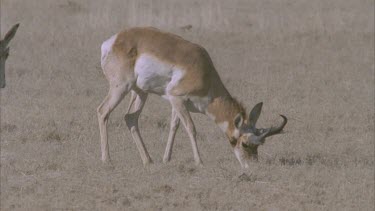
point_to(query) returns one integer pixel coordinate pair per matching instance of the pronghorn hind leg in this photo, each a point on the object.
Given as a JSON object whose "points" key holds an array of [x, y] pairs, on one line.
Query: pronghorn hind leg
{"points": [[113, 98], [184, 115], [175, 123], [131, 101], [131, 119]]}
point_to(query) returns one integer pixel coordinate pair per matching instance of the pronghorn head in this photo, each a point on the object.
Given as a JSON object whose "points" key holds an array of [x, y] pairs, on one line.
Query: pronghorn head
{"points": [[250, 137], [4, 52]]}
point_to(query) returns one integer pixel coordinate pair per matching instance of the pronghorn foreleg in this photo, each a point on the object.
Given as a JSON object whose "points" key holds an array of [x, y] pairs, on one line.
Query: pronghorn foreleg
{"points": [[184, 115]]}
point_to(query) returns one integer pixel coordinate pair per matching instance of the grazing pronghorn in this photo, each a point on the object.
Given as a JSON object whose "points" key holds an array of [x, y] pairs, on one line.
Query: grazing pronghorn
{"points": [[146, 60], [4, 52]]}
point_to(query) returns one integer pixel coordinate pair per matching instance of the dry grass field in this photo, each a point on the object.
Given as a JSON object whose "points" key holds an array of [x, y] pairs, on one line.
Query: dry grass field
{"points": [[310, 60]]}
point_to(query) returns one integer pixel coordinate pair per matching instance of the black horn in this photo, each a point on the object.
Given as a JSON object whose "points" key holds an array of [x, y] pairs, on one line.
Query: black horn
{"points": [[258, 138], [276, 130]]}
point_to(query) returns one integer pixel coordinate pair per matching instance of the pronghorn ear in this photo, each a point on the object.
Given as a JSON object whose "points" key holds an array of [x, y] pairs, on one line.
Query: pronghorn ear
{"points": [[254, 114], [238, 121], [9, 35]]}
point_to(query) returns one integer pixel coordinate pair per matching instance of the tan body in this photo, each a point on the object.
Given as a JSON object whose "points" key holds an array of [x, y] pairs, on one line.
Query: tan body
{"points": [[146, 60]]}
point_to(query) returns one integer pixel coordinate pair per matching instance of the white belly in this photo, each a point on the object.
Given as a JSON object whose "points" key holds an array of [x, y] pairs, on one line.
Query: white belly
{"points": [[156, 76]]}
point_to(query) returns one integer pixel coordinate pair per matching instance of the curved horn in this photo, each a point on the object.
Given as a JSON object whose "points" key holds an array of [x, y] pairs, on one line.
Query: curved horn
{"points": [[259, 136], [256, 140], [276, 130]]}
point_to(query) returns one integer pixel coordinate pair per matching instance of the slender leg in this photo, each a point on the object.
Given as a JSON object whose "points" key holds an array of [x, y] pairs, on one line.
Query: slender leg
{"points": [[184, 115], [113, 98], [132, 99], [175, 123], [131, 120]]}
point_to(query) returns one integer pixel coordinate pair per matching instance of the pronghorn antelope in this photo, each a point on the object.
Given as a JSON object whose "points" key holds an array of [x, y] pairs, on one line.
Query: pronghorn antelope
{"points": [[147, 60], [4, 52]]}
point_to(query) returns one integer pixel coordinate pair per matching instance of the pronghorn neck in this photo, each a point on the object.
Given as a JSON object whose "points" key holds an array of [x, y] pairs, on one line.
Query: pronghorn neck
{"points": [[223, 111]]}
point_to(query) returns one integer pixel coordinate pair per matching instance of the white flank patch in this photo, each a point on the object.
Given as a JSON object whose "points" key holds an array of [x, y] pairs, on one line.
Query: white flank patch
{"points": [[106, 48], [156, 76]]}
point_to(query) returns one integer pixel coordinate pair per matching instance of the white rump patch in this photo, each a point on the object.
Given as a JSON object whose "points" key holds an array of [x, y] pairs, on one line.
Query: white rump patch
{"points": [[106, 48]]}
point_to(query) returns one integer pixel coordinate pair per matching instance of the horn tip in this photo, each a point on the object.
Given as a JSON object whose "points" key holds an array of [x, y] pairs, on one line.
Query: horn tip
{"points": [[284, 117]]}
